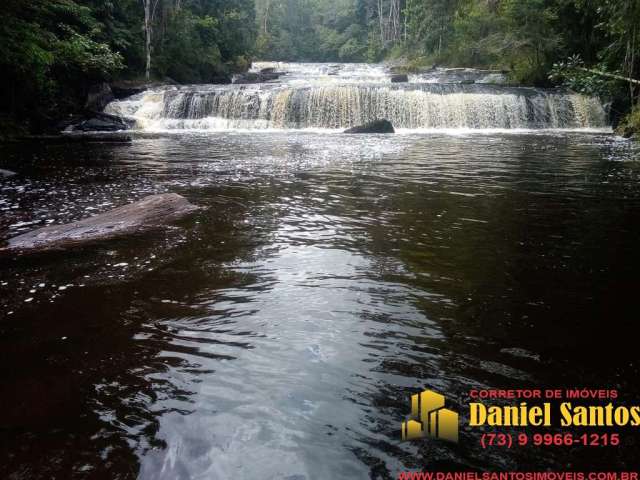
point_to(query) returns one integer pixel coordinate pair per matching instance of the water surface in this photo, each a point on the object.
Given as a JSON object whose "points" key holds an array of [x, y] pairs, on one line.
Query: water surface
{"points": [[279, 332]]}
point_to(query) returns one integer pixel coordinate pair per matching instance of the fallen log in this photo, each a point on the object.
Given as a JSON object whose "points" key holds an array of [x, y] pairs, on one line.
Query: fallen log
{"points": [[609, 75], [152, 211]]}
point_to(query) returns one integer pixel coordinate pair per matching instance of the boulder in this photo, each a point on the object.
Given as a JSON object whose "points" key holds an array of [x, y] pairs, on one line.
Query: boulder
{"points": [[6, 173], [377, 126], [629, 126], [99, 125], [399, 78], [67, 123], [268, 70], [221, 79], [127, 88], [253, 77], [98, 97], [152, 211], [248, 77], [103, 122], [122, 91], [270, 76], [625, 130]]}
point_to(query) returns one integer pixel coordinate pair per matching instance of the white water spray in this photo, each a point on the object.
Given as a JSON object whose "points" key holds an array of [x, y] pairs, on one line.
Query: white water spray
{"points": [[302, 99]]}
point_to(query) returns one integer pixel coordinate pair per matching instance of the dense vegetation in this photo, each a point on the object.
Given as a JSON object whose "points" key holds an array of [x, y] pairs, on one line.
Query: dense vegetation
{"points": [[539, 42], [523, 36], [52, 51]]}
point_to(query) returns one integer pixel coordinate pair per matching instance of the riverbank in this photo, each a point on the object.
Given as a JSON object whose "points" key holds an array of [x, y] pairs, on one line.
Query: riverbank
{"points": [[85, 114], [629, 127]]}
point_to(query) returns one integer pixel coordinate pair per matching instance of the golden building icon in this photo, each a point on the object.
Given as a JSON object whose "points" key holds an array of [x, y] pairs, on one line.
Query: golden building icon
{"points": [[430, 418]]}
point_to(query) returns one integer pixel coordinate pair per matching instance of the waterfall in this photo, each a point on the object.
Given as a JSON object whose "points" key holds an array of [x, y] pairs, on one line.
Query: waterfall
{"points": [[315, 103]]}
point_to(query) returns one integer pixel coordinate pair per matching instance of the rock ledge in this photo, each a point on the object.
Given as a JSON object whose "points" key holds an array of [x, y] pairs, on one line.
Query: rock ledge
{"points": [[152, 211]]}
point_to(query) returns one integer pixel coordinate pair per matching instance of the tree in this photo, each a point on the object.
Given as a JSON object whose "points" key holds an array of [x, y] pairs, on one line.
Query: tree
{"points": [[150, 8], [621, 28], [53, 51], [50, 53]]}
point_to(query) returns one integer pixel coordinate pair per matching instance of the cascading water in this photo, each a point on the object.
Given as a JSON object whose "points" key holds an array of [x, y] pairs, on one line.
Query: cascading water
{"points": [[333, 96]]}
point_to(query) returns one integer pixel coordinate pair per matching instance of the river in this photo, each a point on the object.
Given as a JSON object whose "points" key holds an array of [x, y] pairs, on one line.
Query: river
{"points": [[279, 332]]}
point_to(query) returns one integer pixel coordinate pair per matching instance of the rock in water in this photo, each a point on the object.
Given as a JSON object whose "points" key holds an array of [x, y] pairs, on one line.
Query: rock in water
{"points": [[220, 79], [152, 211], [377, 126], [6, 173], [253, 77], [103, 122], [98, 97], [399, 78], [248, 77], [125, 90]]}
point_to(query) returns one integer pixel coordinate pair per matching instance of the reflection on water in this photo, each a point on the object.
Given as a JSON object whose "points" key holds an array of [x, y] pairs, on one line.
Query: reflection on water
{"points": [[280, 332]]}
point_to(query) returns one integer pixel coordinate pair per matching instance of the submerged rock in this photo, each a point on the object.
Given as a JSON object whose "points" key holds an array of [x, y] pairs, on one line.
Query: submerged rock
{"points": [[377, 126], [152, 211], [6, 173]]}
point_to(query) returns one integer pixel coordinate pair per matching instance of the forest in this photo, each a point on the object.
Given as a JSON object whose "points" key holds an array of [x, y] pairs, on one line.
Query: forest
{"points": [[581, 44], [289, 239], [53, 51]]}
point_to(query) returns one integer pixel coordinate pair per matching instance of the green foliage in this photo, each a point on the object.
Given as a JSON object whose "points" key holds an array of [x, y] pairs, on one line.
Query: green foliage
{"points": [[79, 55], [430, 26], [189, 50], [351, 51], [478, 37], [53, 51], [196, 41], [629, 127], [48, 52], [568, 74], [310, 30]]}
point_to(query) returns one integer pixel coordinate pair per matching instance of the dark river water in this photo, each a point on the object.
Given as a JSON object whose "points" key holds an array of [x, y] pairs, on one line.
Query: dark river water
{"points": [[279, 332]]}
